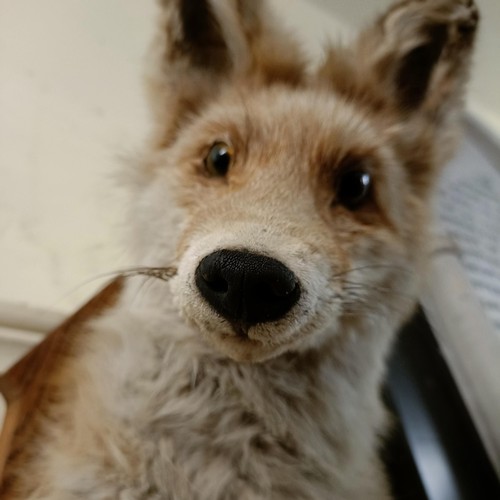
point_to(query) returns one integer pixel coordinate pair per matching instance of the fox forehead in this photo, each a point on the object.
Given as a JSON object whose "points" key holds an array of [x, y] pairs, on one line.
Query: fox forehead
{"points": [[293, 131], [284, 121], [288, 143]]}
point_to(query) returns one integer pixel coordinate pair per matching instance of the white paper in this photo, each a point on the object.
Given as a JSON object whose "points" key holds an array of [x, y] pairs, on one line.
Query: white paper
{"points": [[469, 211]]}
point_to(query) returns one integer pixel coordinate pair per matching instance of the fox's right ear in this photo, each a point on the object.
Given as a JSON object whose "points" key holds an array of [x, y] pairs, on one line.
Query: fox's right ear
{"points": [[204, 45]]}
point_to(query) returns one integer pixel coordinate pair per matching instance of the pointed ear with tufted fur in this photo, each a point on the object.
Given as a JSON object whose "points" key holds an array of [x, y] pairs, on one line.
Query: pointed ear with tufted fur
{"points": [[410, 68], [415, 56], [204, 46]]}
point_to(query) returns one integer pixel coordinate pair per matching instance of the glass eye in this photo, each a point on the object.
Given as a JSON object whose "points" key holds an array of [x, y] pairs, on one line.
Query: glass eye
{"points": [[353, 187], [219, 159]]}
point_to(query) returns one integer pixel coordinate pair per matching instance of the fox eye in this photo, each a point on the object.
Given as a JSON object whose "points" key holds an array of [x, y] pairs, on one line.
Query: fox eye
{"points": [[353, 187], [219, 159]]}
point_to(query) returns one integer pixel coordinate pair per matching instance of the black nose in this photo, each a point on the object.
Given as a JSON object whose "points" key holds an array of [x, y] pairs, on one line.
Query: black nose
{"points": [[247, 288]]}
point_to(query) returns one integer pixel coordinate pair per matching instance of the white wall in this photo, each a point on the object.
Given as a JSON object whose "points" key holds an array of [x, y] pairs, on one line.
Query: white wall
{"points": [[70, 104]]}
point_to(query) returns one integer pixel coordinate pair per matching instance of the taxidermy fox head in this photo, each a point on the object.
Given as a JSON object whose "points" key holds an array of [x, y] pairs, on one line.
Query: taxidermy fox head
{"points": [[292, 201]]}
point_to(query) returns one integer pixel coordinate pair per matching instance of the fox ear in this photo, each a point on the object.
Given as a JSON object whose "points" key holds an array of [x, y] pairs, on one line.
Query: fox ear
{"points": [[412, 74], [188, 58], [411, 67], [204, 46], [415, 56]]}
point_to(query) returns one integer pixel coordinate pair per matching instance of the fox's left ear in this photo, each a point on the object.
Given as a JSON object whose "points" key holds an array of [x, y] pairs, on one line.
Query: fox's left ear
{"points": [[204, 46], [412, 66]]}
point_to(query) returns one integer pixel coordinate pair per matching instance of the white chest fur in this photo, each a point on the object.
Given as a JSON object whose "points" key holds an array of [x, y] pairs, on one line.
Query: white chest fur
{"points": [[158, 414]]}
